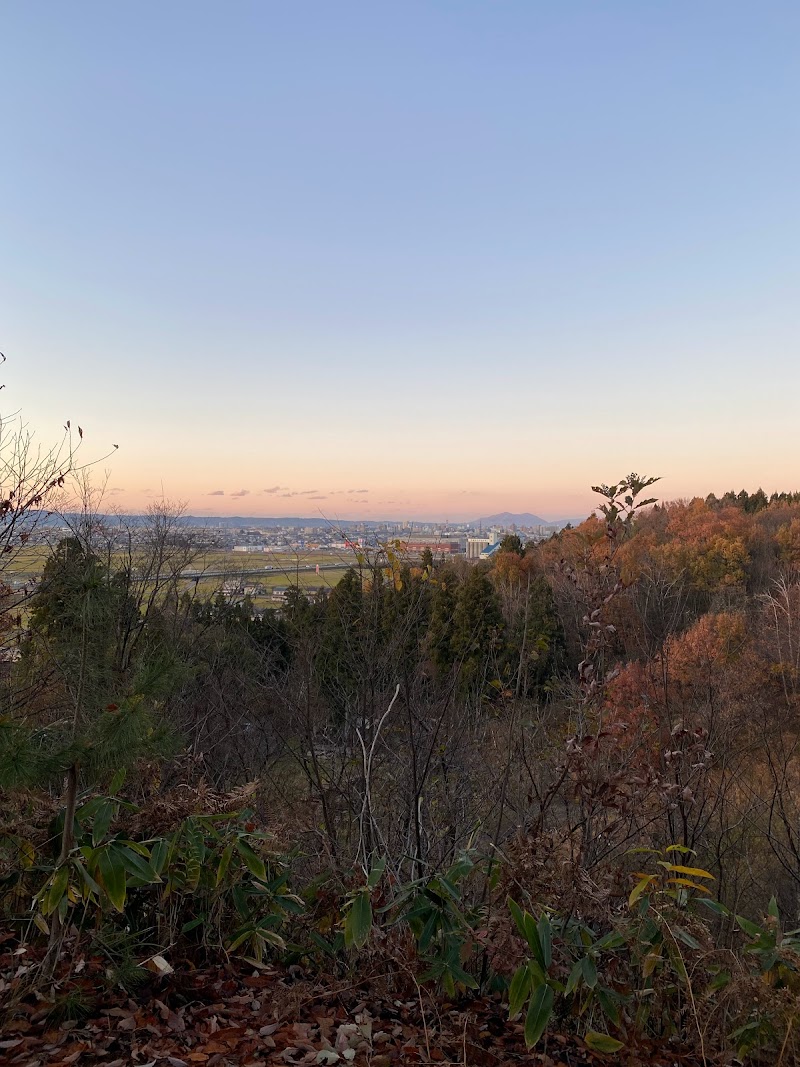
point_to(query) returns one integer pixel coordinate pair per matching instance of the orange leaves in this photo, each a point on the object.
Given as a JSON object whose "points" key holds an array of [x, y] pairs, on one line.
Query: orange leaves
{"points": [[713, 642], [788, 539]]}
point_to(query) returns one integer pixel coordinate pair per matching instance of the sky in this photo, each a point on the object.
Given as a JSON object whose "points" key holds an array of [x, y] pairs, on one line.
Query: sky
{"points": [[404, 260]]}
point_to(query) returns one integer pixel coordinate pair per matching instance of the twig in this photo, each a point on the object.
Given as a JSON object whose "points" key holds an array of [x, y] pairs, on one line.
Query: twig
{"points": [[366, 804]]}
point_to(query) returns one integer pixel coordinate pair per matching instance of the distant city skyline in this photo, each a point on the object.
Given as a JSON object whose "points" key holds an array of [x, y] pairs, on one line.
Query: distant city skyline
{"points": [[418, 260]]}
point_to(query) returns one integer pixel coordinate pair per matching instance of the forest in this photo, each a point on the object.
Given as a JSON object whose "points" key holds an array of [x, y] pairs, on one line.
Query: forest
{"points": [[540, 809]]}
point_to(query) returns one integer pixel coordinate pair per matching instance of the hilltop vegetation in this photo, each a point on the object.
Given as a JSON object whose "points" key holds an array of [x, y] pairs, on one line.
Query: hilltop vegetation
{"points": [[560, 786]]}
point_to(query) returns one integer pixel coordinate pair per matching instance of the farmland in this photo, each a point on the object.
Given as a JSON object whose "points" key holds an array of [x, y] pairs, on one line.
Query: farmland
{"points": [[211, 570]]}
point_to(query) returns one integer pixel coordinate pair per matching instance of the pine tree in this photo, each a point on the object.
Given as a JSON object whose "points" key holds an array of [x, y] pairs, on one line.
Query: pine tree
{"points": [[477, 630], [88, 720]]}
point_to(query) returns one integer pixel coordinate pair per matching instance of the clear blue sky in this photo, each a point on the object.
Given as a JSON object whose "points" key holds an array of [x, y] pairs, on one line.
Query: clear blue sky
{"points": [[465, 255]]}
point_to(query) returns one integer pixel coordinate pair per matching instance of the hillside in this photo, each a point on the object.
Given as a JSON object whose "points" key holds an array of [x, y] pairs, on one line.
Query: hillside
{"points": [[233, 882], [508, 518]]}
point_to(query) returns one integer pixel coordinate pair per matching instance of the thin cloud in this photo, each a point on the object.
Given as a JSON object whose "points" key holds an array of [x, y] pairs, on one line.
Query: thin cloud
{"points": [[308, 492], [274, 489], [320, 497], [241, 492], [358, 490], [116, 490], [216, 492]]}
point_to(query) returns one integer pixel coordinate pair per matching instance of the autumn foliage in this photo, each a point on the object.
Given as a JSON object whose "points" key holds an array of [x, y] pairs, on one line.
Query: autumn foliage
{"points": [[561, 784]]}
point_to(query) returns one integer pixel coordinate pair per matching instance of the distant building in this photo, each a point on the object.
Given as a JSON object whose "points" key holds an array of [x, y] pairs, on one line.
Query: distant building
{"points": [[476, 545], [8, 656], [437, 546], [239, 590], [541, 533]]}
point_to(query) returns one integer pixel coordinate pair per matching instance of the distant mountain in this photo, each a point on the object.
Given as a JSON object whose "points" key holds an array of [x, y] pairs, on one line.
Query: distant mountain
{"points": [[506, 518]]}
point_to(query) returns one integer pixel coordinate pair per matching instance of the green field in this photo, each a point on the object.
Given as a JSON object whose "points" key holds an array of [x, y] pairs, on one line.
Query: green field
{"points": [[26, 562], [220, 566]]}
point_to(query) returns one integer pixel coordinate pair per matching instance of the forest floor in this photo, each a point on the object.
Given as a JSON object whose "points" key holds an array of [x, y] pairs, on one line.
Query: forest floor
{"points": [[240, 1014]]}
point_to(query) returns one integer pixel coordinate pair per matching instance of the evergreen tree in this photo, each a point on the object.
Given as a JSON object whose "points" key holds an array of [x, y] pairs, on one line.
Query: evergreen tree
{"points": [[512, 543], [477, 630], [443, 606], [535, 643]]}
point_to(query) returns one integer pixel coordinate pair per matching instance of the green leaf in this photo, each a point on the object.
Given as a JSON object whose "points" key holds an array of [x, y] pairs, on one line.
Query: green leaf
{"points": [[641, 886], [602, 1042], [575, 975], [608, 1004], [290, 902], [518, 916], [359, 921], [158, 855], [254, 863], [449, 972], [532, 937], [321, 943], [518, 991], [460, 868], [716, 907], [224, 863], [269, 937], [538, 976], [719, 981], [748, 927], [451, 890], [112, 874], [241, 938], [102, 821], [772, 908], [117, 781], [767, 960], [135, 864], [87, 878], [539, 1011], [87, 810], [676, 959], [589, 971], [375, 873], [135, 846], [192, 924], [611, 940], [685, 937], [58, 887], [428, 930]]}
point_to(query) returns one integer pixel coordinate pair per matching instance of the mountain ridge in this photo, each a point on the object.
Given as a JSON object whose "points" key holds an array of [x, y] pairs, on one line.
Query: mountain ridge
{"points": [[508, 518]]}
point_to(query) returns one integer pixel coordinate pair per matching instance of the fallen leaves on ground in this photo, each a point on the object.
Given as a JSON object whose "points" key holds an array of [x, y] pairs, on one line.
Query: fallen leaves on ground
{"points": [[233, 1014]]}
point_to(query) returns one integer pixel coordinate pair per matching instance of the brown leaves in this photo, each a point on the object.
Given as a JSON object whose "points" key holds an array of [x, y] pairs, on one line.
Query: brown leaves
{"points": [[223, 1017]]}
